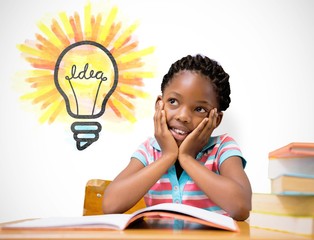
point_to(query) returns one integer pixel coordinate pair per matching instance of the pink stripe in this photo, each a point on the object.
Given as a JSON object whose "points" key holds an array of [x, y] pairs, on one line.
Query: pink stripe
{"points": [[191, 187], [165, 186], [151, 202], [144, 154], [206, 203]]}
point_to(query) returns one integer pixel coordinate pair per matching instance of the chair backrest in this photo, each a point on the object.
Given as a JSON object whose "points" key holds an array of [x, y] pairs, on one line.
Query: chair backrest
{"points": [[94, 193]]}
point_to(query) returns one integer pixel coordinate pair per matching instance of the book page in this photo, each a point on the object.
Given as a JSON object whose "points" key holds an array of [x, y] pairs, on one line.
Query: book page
{"points": [[110, 221], [218, 220]]}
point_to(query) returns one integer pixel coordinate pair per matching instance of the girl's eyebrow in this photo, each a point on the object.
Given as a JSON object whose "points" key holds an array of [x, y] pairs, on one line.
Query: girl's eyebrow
{"points": [[173, 92], [197, 102], [205, 102]]}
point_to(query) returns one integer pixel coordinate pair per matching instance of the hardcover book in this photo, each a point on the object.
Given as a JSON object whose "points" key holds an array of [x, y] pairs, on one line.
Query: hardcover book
{"points": [[294, 150], [293, 185], [294, 205], [295, 159], [303, 225]]}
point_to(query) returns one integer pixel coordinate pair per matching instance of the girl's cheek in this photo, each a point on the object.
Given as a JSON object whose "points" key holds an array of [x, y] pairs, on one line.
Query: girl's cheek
{"points": [[169, 114]]}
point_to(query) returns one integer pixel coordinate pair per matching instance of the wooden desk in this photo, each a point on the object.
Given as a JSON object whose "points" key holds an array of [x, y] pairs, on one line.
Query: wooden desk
{"points": [[153, 229]]}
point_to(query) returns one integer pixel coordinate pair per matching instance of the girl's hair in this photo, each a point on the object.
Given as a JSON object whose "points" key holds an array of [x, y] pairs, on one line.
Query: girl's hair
{"points": [[209, 68]]}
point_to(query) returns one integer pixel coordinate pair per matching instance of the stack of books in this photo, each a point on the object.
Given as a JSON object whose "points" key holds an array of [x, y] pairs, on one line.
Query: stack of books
{"points": [[290, 205]]}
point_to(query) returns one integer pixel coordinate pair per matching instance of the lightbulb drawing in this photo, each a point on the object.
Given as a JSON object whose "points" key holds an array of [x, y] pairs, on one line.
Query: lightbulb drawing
{"points": [[86, 74]]}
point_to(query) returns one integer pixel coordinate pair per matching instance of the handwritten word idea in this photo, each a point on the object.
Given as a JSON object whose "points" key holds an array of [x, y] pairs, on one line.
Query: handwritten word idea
{"points": [[86, 74]]}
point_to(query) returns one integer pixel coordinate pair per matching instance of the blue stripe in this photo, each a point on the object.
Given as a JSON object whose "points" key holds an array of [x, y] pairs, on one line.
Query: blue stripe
{"points": [[140, 157], [193, 193], [213, 209], [231, 153], [169, 192]]}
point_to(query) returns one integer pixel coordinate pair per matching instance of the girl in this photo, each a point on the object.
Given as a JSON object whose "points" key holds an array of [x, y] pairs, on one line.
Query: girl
{"points": [[183, 162]]}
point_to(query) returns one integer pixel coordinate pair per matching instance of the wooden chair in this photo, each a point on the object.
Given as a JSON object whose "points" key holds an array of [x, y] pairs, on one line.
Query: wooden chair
{"points": [[94, 193]]}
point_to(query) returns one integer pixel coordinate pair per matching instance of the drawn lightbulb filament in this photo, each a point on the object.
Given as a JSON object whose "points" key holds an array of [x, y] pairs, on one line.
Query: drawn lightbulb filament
{"points": [[86, 75]]}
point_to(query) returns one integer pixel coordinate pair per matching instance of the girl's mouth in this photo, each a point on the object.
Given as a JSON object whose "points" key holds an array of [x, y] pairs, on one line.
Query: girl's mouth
{"points": [[178, 134]]}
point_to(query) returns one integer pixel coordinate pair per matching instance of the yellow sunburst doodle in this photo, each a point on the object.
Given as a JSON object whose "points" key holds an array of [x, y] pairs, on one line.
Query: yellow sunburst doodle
{"points": [[43, 53]]}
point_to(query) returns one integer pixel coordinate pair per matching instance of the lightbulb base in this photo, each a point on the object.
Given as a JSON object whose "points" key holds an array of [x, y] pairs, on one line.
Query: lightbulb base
{"points": [[85, 133]]}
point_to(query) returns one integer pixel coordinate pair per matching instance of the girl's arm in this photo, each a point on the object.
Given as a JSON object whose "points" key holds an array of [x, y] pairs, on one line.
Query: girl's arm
{"points": [[231, 190], [133, 183], [135, 180]]}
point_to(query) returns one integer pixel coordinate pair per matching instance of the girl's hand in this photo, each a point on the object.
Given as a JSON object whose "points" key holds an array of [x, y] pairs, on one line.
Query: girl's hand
{"points": [[163, 136], [197, 139]]}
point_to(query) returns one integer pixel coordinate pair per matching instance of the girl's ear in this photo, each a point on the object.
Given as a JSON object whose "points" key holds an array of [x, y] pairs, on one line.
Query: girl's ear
{"points": [[159, 98], [219, 118]]}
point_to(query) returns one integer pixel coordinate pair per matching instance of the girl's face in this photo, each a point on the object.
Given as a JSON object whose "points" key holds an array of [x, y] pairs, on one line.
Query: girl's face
{"points": [[188, 98]]}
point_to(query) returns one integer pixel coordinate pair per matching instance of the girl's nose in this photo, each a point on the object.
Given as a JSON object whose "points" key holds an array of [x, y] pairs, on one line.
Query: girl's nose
{"points": [[183, 115]]}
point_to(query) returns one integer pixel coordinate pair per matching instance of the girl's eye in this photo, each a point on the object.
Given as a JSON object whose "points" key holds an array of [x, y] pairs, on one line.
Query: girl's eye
{"points": [[172, 101], [200, 109]]}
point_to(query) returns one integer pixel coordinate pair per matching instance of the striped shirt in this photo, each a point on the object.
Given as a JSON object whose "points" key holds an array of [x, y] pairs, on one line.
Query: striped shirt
{"points": [[184, 190]]}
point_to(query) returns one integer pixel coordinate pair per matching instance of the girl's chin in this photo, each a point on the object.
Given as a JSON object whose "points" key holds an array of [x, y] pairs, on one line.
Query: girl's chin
{"points": [[179, 141]]}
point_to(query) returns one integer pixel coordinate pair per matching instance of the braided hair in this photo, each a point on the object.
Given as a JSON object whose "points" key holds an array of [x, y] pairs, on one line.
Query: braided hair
{"points": [[209, 68]]}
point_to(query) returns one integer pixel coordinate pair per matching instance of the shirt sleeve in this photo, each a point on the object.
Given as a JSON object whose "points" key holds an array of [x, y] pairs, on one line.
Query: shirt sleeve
{"points": [[229, 148], [139, 157], [142, 153]]}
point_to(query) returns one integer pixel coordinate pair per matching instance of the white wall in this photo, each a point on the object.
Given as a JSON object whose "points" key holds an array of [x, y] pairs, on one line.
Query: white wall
{"points": [[266, 46]]}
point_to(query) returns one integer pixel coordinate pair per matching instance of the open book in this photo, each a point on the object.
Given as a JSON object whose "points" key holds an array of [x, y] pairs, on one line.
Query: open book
{"points": [[122, 221]]}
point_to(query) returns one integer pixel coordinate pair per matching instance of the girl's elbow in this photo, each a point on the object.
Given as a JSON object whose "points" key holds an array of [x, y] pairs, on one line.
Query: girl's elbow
{"points": [[243, 207], [241, 212], [241, 215]]}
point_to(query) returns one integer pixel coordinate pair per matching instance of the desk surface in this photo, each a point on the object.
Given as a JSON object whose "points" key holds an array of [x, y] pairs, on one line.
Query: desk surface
{"points": [[153, 229]]}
